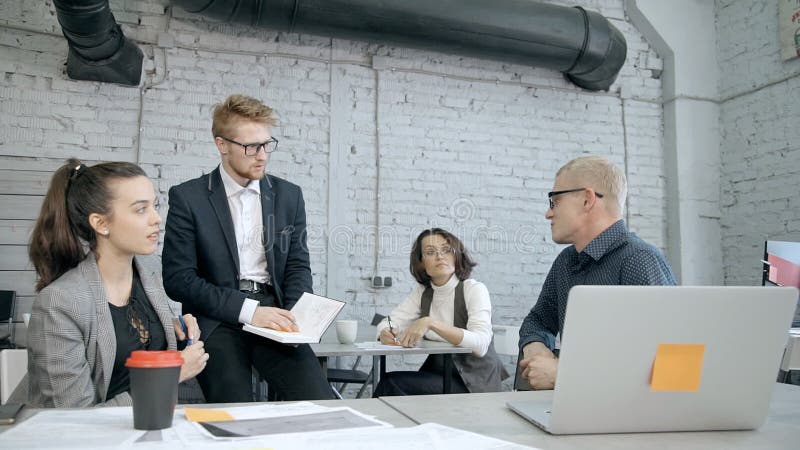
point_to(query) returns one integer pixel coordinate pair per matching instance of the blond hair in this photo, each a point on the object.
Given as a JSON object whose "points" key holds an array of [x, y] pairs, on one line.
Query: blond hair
{"points": [[601, 175], [240, 107]]}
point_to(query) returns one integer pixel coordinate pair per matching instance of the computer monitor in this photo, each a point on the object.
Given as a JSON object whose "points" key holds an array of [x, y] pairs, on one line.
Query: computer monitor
{"points": [[781, 267]]}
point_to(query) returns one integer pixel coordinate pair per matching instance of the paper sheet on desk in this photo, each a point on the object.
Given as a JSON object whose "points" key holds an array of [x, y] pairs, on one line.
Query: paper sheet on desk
{"points": [[430, 436], [113, 428], [304, 417], [85, 429], [370, 345], [259, 410], [337, 419]]}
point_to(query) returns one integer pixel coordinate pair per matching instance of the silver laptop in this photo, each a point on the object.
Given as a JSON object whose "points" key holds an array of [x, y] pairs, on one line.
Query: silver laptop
{"points": [[609, 344]]}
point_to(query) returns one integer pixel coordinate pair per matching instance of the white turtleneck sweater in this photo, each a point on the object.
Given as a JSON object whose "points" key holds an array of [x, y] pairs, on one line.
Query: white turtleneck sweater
{"points": [[478, 333]]}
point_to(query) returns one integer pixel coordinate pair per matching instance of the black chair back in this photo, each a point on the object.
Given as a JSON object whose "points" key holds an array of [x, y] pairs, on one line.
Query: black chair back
{"points": [[8, 301]]}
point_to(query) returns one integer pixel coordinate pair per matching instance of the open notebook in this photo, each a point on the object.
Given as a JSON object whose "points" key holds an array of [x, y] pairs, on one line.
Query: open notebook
{"points": [[313, 315]]}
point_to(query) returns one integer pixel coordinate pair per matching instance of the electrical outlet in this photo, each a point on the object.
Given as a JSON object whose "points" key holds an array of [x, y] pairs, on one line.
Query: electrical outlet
{"points": [[377, 282], [387, 281]]}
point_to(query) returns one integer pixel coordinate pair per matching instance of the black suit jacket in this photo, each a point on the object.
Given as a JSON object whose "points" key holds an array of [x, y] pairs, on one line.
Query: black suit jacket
{"points": [[200, 258]]}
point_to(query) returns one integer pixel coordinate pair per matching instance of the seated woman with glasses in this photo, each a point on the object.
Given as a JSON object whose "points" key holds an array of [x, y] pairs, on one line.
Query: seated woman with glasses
{"points": [[100, 291], [447, 305]]}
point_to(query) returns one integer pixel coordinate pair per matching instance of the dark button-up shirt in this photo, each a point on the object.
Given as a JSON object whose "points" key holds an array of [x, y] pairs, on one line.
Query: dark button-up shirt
{"points": [[615, 257]]}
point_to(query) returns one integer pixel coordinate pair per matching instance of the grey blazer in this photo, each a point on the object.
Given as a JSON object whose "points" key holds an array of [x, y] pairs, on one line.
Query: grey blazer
{"points": [[71, 341]]}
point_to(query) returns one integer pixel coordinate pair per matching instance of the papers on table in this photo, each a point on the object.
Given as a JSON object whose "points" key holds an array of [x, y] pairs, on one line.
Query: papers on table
{"points": [[426, 436], [313, 314], [88, 428], [305, 417], [370, 345], [113, 428]]}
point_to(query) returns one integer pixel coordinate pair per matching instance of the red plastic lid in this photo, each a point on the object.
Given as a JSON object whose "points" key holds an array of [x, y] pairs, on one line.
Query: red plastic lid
{"points": [[154, 359]]}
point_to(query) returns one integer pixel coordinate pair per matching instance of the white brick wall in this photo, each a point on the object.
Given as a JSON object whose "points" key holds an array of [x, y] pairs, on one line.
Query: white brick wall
{"points": [[470, 145], [760, 137]]}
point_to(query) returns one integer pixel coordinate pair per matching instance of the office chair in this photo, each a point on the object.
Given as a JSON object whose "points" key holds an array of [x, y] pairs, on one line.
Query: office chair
{"points": [[261, 390], [353, 374], [506, 338], [7, 305], [347, 376]]}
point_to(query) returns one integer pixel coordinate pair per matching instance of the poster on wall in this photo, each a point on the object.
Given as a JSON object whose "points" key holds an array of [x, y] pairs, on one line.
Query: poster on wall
{"points": [[789, 28]]}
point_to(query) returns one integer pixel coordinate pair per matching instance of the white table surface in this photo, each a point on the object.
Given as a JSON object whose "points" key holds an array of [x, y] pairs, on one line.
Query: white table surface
{"points": [[330, 346], [487, 414]]}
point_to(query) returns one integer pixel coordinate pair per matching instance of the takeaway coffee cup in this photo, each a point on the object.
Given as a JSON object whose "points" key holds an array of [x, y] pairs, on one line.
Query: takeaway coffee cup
{"points": [[346, 331], [154, 387]]}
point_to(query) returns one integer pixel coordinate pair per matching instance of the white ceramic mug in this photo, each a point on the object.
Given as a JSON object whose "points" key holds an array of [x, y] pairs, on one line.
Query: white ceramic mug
{"points": [[346, 331]]}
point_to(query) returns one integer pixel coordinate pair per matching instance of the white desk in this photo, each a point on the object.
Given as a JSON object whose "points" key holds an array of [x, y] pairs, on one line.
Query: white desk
{"points": [[791, 355], [487, 414], [370, 406], [331, 347]]}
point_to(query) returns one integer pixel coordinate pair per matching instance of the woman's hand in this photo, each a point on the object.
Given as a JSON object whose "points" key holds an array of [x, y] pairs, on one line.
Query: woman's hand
{"points": [[388, 336], [191, 327], [194, 360], [415, 332]]}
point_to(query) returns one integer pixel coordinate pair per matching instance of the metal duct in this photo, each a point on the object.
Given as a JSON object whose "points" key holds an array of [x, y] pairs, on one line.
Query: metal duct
{"points": [[98, 51], [582, 44]]}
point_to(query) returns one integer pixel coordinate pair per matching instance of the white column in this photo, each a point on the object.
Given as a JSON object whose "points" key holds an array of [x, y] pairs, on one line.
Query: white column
{"points": [[683, 33]]}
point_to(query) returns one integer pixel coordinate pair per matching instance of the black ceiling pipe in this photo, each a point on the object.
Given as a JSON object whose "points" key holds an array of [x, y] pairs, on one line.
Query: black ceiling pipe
{"points": [[582, 44], [98, 51]]}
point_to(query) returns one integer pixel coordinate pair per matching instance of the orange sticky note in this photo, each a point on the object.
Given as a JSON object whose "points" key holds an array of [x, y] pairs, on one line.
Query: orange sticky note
{"points": [[206, 415], [677, 367]]}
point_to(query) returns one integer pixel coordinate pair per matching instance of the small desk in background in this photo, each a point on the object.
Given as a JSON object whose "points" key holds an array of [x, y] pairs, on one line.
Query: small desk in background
{"points": [[330, 346]]}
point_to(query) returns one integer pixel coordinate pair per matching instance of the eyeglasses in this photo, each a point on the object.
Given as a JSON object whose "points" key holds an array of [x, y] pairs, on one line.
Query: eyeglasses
{"points": [[431, 253], [552, 194], [253, 149]]}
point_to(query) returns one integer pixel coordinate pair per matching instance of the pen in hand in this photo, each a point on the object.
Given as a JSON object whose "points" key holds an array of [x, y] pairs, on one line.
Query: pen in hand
{"points": [[391, 329], [189, 341]]}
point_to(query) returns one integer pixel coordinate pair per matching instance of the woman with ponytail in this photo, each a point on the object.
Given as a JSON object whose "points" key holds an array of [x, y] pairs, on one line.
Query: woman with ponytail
{"points": [[100, 294]]}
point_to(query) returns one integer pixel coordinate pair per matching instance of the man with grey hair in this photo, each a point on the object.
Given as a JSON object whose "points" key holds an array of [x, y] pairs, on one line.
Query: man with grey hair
{"points": [[585, 210]]}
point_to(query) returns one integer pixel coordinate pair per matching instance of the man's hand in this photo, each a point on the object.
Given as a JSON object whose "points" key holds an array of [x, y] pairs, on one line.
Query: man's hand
{"points": [[539, 366], [415, 332], [541, 372], [274, 318]]}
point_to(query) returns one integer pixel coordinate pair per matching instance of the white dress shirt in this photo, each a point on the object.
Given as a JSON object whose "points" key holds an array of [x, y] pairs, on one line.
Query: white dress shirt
{"points": [[248, 225], [477, 335]]}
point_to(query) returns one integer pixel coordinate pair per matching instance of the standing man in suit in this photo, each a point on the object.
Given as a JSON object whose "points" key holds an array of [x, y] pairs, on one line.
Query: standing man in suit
{"points": [[585, 210], [235, 252]]}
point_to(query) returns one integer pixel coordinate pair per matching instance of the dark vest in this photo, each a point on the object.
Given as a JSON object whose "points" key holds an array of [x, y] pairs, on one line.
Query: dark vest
{"points": [[480, 374]]}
